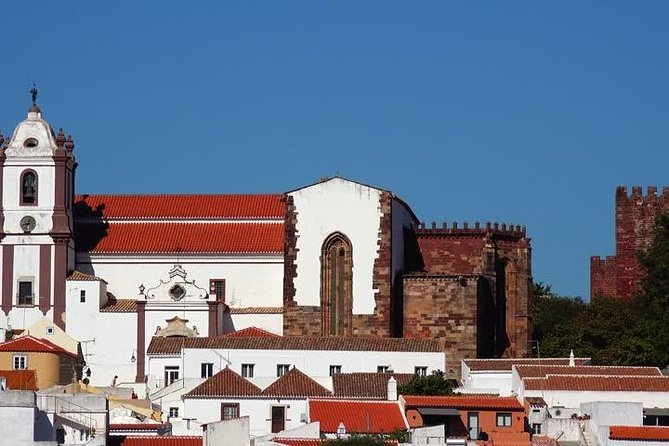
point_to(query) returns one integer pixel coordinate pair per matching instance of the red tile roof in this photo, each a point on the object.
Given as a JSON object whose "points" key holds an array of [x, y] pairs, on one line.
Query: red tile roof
{"points": [[464, 402], [535, 371], [172, 346], [507, 364], [119, 306], [79, 276], [251, 332], [539, 440], [295, 384], [30, 343], [366, 385], [140, 427], [225, 383], [357, 416], [300, 441], [641, 433], [20, 379], [256, 310], [205, 238], [153, 207], [162, 441], [580, 383]]}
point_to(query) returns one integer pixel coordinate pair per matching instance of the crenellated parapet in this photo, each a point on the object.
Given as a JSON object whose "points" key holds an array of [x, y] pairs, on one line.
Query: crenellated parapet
{"points": [[637, 196], [455, 228]]}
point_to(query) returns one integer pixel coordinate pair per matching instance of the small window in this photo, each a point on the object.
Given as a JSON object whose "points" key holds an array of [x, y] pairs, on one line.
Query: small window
{"points": [[171, 375], [28, 188], [206, 370], [282, 369], [229, 411], [20, 362], [536, 428], [217, 288], [50, 330], [503, 419], [334, 369], [82, 296], [25, 296], [420, 371], [247, 370], [382, 368], [174, 412]]}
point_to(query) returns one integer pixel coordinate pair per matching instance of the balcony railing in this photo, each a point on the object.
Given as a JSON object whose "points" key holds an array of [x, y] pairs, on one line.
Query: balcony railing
{"points": [[26, 299]]}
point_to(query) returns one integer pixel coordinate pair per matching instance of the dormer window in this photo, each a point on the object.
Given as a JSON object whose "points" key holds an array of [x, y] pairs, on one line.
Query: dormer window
{"points": [[29, 188], [30, 143]]}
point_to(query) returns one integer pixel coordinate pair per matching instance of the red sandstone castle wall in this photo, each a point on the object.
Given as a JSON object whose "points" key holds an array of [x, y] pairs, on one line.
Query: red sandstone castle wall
{"points": [[621, 275]]}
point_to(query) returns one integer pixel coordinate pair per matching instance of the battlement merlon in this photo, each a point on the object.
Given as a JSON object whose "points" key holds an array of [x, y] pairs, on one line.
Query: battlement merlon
{"points": [[637, 196], [454, 228], [608, 262]]}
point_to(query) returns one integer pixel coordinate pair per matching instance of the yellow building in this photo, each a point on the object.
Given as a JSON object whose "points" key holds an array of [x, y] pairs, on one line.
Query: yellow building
{"points": [[52, 364]]}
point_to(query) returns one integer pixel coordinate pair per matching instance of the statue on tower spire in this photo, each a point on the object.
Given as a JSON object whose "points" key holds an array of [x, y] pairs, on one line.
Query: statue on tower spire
{"points": [[33, 94]]}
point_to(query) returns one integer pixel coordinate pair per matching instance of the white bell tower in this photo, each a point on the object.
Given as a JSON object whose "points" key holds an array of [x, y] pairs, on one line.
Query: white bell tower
{"points": [[36, 222]]}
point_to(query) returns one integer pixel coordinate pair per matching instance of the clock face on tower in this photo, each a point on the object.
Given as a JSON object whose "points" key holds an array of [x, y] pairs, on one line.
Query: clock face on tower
{"points": [[27, 223]]}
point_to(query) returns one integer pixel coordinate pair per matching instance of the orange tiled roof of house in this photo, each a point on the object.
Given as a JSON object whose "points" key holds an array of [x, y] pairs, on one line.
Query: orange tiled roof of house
{"points": [[542, 440], [172, 346], [155, 207], [119, 306], [314, 441], [464, 402], [295, 384], [205, 238], [647, 433], [534, 371], [30, 343], [19, 379], [162, 441], [507, 364], [581, 383], [251, 332], [256, 310], [366, 385], [357, 416], [79, 276], [225, 383]]}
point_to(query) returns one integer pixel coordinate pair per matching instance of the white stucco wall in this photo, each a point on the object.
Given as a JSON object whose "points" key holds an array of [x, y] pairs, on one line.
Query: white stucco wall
{"points": [[207, 410], [17, 412], [250, 281], [499, 381], [336, 205]]}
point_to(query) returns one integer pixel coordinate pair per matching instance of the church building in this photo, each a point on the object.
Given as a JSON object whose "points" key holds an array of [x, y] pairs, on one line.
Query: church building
{"points": [[334, 258]]}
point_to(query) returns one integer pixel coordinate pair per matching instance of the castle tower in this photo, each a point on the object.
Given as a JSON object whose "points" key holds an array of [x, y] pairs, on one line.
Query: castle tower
{"points": [[36, 223]]}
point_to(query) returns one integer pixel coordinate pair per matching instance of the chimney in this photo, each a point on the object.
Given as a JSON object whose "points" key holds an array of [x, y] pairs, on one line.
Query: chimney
{"points": [[392, 389], [572, 363]]}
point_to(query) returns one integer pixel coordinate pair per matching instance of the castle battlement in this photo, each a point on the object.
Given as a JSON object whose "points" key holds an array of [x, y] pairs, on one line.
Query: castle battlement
{"points": [[637, 196], [455, 228]]}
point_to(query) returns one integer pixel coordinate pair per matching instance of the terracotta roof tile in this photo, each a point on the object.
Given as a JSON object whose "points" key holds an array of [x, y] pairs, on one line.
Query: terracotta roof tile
{"points": [[539, 440], [19, 379], [140, 427], [300, 441], [536, 401], [32, 344], [172, 346], [535, 371], [366, 385], [251, 332], [162, 441], [641, 433], [180, 206], [599, 383], [79, 276], [295, 384], [225, 383], [256, 310], [507, 364], [119, 306], [357, 416], [464, 402], [238, 238]]}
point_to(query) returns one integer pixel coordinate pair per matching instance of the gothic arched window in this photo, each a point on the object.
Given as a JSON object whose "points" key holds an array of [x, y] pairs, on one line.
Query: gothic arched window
{"points": [[29, 188], [336, 285]]}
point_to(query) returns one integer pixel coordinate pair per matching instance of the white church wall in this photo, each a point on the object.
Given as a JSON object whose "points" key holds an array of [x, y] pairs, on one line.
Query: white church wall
{"points": [[12, 211], [249, 281], [330, 206]]}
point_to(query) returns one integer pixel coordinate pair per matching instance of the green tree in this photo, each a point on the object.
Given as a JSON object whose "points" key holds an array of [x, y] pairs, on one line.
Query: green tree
{"points": [[433, 384]]}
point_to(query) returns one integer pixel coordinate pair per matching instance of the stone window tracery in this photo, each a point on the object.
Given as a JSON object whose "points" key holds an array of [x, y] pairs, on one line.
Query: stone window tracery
{"points": [[336, 285]]}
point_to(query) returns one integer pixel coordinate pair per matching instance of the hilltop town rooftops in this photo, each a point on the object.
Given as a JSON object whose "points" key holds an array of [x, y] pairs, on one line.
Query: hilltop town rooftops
{"points": [[173, 346], [464, 402], [536, 371], [599, 383]]}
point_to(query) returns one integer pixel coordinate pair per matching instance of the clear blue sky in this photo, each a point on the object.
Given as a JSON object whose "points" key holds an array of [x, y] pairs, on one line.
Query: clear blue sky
{"points": [[526, 112]]}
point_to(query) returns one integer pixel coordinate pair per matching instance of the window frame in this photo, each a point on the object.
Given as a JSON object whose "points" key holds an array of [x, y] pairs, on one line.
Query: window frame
{"points": [[168, 371], [22, 195], [206, 369], [420, 370], [82, 296], [282, 369], [382, 368], [335, 369], [503, 416], [248, 370], [234, 406], [173, 412], [20, 299], [22, 361]]}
